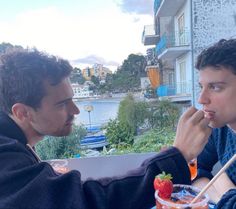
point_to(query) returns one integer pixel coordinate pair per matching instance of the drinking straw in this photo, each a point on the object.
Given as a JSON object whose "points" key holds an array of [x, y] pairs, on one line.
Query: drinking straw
{"points": [[233, 158]]}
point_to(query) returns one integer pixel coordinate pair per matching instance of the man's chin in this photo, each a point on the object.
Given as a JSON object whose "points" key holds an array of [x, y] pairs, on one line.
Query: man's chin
{"points": [[66, 132], [213, 124]]}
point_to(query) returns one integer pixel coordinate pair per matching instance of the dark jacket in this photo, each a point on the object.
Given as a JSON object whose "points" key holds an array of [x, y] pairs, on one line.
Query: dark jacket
{"points": [[221, 147], [27, 184]]}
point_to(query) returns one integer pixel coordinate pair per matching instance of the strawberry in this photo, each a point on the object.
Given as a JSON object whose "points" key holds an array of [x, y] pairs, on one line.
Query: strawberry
{"points": [[164, 185]]}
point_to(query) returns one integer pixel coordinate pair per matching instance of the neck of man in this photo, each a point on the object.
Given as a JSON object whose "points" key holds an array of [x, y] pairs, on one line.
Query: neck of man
{"points": [[31, 135]]}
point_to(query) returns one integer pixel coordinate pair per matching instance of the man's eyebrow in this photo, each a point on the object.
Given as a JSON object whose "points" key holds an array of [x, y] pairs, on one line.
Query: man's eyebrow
{"points": [[63, 101], [214, 82], [218, 82]]}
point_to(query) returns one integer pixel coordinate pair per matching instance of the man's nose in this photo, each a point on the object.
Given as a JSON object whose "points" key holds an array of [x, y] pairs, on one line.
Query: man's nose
{"points": [[74, 109], [204, 97]]}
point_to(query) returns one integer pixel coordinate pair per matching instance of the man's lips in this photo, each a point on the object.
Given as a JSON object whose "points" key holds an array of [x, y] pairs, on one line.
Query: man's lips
{"points": [[69, 122], [209, 114]]}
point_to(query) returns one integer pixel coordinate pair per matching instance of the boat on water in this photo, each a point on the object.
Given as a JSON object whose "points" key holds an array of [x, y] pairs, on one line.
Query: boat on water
{"points": [[95, 139], [93, 142]]}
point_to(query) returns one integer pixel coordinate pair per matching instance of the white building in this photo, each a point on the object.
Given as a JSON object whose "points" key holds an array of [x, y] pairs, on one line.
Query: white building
{"points": [[81, 91], [181, 30]]}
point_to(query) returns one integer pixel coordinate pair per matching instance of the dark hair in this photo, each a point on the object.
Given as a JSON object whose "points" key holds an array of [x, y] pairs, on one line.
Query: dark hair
{"points": [[23, 74], [221, 54]]}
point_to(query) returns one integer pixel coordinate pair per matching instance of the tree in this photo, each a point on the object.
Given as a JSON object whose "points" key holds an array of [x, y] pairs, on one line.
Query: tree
{"points": [[77, 76], [5, 47], [126, 111], [164, 114], [127, 77], [95, 80], [133, 113], [135, 64], [118, 133]]}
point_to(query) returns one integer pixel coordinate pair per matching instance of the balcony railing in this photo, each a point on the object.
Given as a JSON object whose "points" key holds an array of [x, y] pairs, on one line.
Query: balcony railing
{"points": [[179, 88], [166, 90], [149, 36], [174, 40], [148, 30]]}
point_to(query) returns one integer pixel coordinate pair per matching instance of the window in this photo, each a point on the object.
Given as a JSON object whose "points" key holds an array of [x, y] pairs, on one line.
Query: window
{"points": [[182, 77], [181, 32]]}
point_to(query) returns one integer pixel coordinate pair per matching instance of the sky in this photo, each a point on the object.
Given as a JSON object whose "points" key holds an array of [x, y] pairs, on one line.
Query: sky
{"points": [[84, 32]]}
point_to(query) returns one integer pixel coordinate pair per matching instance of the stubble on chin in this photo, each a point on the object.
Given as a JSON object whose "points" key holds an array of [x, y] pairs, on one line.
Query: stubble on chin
{"points": [[67, 131]]}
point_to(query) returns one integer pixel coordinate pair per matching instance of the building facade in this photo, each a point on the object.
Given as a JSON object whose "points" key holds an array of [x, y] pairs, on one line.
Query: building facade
{"points": [[98, 71], [181, 30]]}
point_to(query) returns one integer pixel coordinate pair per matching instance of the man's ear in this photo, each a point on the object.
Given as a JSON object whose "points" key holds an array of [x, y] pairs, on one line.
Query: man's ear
{"points": [[20, 111]]}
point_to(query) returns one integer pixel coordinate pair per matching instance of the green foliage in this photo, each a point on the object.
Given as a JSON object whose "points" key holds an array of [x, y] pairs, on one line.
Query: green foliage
{"points": [[126, 112], [132, 113], [77, 76], [164, 114], [95, 80], [61, 147], [119, 133], [135, 65], [141, 113], [154, 140], [162, 117], [151, 141], [127, 77], [5, 47]]}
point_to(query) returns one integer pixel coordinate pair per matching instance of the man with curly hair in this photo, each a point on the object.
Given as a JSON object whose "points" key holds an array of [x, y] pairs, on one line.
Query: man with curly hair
{"points": [[217, 80]]}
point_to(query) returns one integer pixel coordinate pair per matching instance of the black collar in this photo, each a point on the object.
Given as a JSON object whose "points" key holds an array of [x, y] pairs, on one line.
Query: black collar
{"points": [[10, 129]]}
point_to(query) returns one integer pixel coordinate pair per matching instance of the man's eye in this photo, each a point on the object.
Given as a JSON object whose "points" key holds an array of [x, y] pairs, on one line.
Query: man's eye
{"points": [[215, 88], [200, 86], [63, 104]]}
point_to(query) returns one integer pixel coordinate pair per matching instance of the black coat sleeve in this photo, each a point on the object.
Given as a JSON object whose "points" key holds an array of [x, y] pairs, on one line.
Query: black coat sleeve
{"points": [[135, 189], [26, 184]]}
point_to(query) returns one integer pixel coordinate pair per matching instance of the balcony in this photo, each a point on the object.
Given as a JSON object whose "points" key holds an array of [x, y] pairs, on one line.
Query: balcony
{"points": [[163, 8], [181, 91], [149, 36], [166, 90], [173, 45]]}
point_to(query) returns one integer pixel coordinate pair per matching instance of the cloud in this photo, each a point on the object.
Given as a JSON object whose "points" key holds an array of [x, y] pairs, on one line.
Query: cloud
{"points": [[92, 59], [104, 35], [143, 7]]}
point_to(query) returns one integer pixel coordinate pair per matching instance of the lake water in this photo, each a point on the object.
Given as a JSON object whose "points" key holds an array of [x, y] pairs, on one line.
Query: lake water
{"points": [[103, 110]]}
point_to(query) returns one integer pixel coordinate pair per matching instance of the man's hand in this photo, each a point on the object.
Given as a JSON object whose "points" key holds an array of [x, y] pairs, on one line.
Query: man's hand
{"points": [[222, 185], [192, 133]]}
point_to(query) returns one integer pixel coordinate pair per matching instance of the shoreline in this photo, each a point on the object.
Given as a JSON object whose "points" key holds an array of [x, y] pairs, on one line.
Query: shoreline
{"points": [[137, 96], [95, 98]]}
